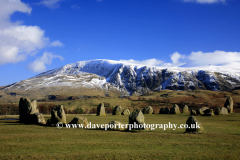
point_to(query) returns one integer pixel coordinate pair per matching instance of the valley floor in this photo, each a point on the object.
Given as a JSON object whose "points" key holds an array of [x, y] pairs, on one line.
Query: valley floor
{"points": [[221, 140]]}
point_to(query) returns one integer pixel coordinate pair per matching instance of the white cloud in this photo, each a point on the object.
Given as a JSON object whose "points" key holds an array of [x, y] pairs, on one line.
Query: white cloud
{"points": [[203, 59], [214, 58], [57, 43], [205, 1], [176, 57], [195, 59], [39, 65], [50, 3], [150, 62], [17, 41], [8, 7]]}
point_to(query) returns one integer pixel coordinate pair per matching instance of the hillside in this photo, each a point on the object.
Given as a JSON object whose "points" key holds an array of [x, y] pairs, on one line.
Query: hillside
{"points": [[114, 78]]}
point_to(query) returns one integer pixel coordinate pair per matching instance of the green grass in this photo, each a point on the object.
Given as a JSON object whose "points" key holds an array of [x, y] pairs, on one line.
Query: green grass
{"points": [[221, 140]]}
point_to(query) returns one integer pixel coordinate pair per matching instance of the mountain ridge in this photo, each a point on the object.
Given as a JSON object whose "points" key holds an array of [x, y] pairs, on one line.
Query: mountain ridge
{"points": [[138, 78]]}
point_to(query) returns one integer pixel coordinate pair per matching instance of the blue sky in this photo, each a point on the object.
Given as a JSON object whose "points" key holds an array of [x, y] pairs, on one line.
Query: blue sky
{"points": [[39, 35]]}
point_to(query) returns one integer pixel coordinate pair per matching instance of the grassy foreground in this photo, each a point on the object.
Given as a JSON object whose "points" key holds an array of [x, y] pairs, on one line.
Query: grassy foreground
{"points": [[221, 140]]}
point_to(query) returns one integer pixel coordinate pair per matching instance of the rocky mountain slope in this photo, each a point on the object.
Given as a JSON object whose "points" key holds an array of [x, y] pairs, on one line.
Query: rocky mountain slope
{"points": [[132, 78]]}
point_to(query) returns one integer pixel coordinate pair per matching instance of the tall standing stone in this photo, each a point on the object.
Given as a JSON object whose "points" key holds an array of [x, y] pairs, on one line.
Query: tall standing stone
{"points": [[161, 111], [147, 110], [136, 120], [57, 115], [101, 110], [166, 110], [117, 110], [229, 104], [193, 125], [185, 109], [26, 108], [174, 109]]}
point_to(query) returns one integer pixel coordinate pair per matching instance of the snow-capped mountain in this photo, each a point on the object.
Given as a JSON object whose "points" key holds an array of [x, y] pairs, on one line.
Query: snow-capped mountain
{"points": [[134, 78]]}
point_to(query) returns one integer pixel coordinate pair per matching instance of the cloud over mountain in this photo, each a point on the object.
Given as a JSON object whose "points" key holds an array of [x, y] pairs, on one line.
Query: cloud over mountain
{"points": [[214, 58], [150, 62], [194, 59], [39, 65]]}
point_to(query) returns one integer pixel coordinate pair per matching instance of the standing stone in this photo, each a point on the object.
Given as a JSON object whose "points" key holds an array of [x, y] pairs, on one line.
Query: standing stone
{"points": [[161, 111], [101, 110], [37, 118], [115, 126], [229, 104], [147, 110], [185, 109], [166, 110], [200, 111], [204, 108], [79, 120], [117, 110], [193, 125], [208, 112], [126, 112], [26, 108], [174, 109], [34, 107], [221, 111], [137, 118], [193, 112], [57, 115]]}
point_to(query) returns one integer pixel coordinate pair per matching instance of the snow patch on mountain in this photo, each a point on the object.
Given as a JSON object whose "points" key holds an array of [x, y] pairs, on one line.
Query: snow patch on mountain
{"points": [[131, 77]]}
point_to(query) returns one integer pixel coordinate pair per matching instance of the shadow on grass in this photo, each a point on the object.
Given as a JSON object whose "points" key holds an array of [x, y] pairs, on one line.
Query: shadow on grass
{"points": [[12, 123], [54, 126], [9, 119], [20, 123]]}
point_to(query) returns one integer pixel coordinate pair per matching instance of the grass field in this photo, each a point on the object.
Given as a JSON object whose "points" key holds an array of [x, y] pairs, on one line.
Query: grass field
{"points": [[221, 140]]}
